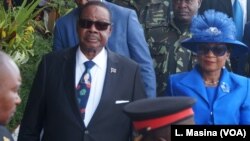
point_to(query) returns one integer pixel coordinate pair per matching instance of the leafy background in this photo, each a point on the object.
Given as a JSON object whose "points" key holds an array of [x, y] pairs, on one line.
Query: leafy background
{"points": [[42, 44]]}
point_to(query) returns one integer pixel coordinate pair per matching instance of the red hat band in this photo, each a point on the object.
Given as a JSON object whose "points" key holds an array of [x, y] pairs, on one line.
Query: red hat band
{"points": [[162, 121]]}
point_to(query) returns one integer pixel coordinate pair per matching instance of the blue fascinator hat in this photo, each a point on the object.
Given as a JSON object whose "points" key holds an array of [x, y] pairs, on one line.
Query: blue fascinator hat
{"points": [[214, 27]]}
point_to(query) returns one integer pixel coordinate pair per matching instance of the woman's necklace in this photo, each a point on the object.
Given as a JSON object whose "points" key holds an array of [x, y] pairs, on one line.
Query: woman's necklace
{"points": [[209, 83]]}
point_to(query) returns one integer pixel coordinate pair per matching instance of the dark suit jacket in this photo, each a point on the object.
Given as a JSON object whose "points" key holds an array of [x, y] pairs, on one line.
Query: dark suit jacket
{"points": [[245, 59], [243, 62], [5, 134], [52, 104], [219, 5], [246, 37], [127, 39]]}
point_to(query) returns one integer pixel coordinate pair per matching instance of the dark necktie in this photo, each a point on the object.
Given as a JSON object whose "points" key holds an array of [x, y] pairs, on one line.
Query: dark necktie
{"points": [[238, 19], [83, 87]]}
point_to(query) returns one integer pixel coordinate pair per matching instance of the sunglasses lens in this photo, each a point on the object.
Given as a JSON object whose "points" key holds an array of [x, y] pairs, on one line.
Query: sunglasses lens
{"points": [[98, 24], [217, 50], [101, 25], [85, 23], [202, 50]]}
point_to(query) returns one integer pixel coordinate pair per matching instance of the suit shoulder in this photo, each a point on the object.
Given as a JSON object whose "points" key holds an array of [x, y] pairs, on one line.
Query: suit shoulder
{"points": [[60, 55], [178, 75], [239, 78], [122, 59], [116, 7], [68, 17]]}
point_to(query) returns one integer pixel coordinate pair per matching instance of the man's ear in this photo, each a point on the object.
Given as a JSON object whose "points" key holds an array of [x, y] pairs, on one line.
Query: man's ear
{"points": [[110, 30]]}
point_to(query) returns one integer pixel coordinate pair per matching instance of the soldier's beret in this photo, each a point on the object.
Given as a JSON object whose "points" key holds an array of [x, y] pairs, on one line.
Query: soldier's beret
{"points": [[149, 114]]}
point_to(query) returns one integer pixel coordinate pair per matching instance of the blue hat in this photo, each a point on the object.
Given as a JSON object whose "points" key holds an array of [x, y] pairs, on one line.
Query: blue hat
{"points": [[214, 27]]}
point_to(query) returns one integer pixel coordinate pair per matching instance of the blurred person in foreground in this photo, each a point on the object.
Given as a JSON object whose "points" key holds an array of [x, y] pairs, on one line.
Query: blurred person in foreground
{"points": [[10, 82], [78, 94], [222, 96], [152, 118], [127, 39]]}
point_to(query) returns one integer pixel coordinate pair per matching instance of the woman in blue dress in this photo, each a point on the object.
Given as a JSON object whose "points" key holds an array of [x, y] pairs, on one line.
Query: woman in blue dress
{"points": [[222, 96]]}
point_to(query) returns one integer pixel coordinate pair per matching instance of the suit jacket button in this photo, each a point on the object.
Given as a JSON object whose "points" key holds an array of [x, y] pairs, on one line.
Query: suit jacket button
{"points": [[86, 132]]}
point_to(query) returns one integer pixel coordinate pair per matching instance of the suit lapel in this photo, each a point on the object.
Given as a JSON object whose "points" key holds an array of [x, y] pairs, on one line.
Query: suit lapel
{"points": [[194, 81], [227, 84], [111, 77], [111, 80], [69, 82]]}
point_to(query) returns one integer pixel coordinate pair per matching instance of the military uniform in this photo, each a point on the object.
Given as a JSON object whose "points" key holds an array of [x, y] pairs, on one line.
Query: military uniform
{"points": [[150, 12], [168, 55], [5, 134]]}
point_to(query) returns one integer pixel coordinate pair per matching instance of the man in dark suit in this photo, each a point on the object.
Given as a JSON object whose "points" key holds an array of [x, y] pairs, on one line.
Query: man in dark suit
{"points": [[53, 105], [127, 39], [246, 37], [226, 6], [219, 5], [246, 40], [10, 79]]}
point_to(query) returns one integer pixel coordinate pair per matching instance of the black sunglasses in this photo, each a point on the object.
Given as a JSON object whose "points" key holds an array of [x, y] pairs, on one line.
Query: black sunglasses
{"points": [[99, 25], [217, 50]]}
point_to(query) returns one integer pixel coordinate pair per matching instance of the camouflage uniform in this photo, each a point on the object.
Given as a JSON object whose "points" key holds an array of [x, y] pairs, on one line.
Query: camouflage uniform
{"points": [[150, 12], [168, 55], [155, 13]]}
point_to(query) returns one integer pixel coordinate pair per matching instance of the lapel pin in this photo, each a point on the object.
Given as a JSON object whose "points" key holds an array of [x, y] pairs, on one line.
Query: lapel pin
{"points": [[225, 88], [113, 70]]}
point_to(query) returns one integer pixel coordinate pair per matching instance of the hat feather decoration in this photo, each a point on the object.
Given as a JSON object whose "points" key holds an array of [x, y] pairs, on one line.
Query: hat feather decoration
{"points": [[217, 24], [214, 27]]}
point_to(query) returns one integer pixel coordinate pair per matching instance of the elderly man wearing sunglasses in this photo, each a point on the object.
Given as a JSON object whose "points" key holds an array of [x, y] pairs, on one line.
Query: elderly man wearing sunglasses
{"points": [[79, 93], [222, 96], [127, 39]]}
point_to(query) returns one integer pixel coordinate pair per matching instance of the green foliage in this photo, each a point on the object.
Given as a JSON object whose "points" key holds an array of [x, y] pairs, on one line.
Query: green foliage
{"points": [[63, 6], [16, 30], [41, 46]]}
